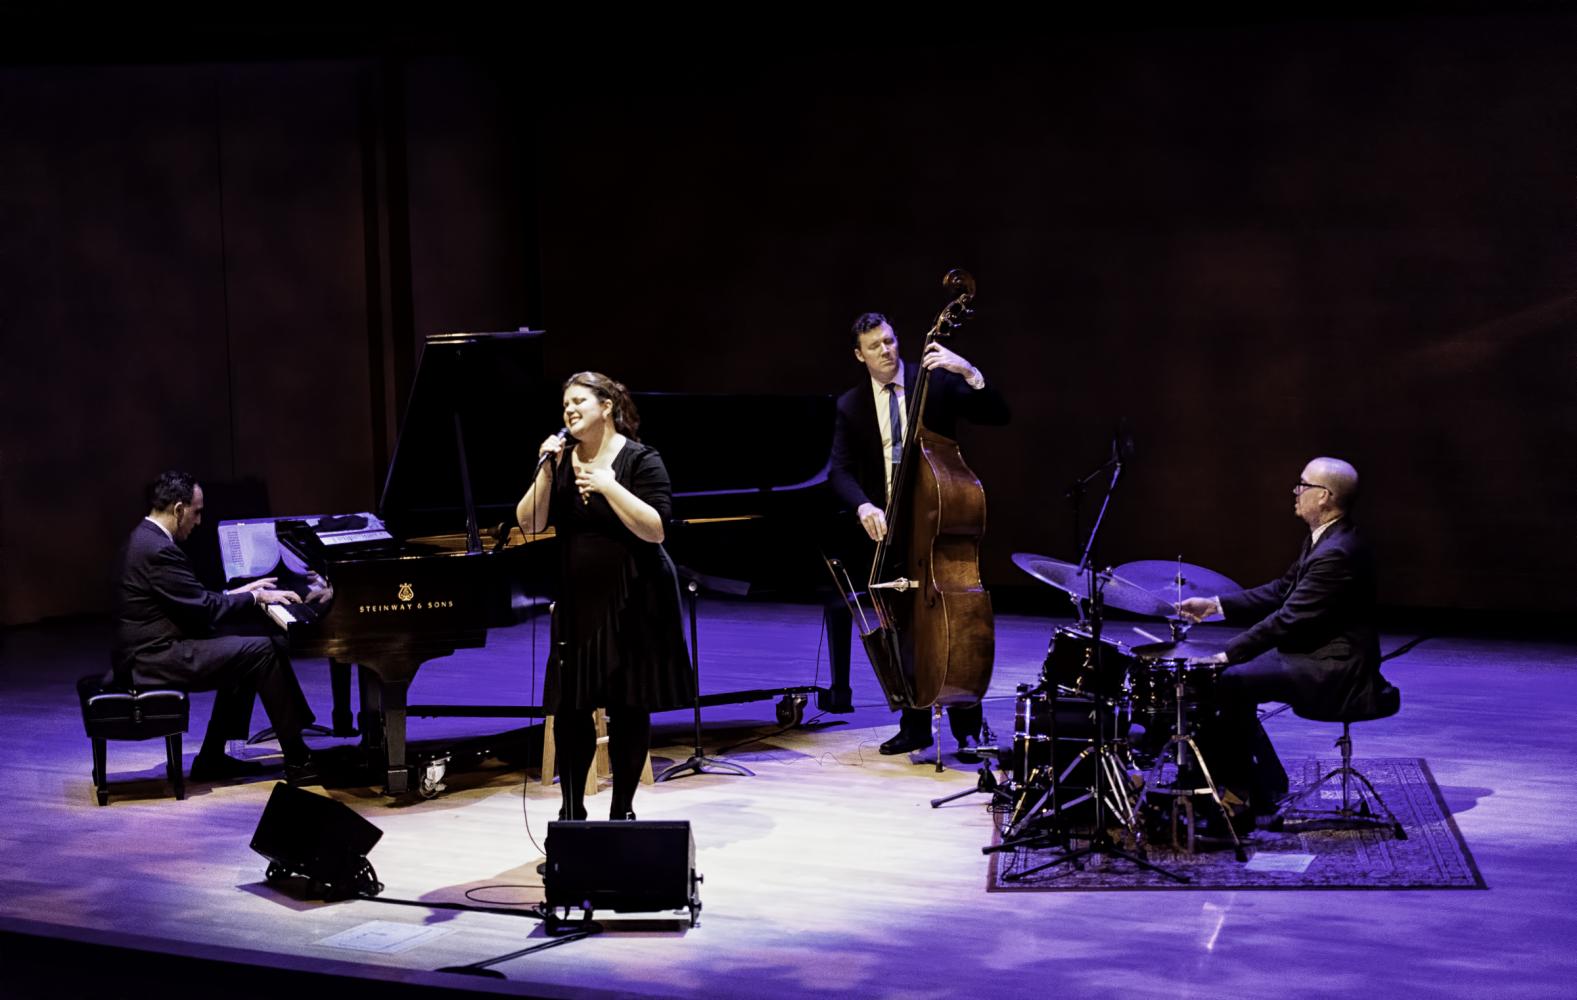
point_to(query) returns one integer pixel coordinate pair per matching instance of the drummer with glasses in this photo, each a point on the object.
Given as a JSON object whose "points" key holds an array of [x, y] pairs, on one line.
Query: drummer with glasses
{"points": [[1310, 639]]}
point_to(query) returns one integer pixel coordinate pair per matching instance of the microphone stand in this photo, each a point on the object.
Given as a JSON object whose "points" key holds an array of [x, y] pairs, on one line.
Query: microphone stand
{"points": [[698, 762], [1100, 842]]}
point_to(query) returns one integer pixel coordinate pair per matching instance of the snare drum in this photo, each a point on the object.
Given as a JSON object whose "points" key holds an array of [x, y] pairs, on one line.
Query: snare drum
{"points": [[1070, 664], [1153, 686], [1153, 689]]}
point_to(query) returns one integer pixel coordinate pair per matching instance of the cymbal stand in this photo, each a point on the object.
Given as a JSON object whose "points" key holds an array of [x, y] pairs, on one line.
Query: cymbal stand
{"points": [[698, 762], [1100, 843], [1185, 747]]}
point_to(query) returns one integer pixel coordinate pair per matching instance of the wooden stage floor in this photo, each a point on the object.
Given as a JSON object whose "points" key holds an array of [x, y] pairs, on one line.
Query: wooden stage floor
{"points": [[826, 875]]}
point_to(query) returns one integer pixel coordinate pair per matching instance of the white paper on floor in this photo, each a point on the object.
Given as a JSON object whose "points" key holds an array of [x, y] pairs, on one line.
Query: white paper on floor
{"points": [[384, 936], [1294, 863]]}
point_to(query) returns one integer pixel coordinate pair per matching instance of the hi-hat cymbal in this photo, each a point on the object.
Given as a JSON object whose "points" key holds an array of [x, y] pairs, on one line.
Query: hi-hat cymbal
{"points": [[1116, 591], [1194, 647]]}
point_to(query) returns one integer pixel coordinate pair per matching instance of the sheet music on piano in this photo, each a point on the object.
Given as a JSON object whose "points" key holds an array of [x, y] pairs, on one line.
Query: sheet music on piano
{"points": [[249, 548]]}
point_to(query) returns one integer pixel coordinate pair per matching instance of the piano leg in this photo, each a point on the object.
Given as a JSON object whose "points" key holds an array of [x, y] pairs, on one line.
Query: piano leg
{"points": [[339, 683], [382, 723], [399, 779], [370, 718]]}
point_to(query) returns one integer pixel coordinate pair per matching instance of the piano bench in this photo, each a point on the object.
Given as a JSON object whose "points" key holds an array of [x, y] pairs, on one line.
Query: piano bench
{"points": [[112, 711], [600, 771]]}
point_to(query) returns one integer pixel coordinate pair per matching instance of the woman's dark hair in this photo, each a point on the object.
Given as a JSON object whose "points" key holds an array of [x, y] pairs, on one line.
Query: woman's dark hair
{"points": [[625, 420], [171, 488]]}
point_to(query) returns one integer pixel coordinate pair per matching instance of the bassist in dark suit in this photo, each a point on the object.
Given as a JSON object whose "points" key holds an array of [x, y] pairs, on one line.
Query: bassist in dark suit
{"points": [[864, 449]]}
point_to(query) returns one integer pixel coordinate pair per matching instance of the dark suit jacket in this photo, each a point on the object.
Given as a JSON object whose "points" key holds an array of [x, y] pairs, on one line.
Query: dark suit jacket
{"points": [[858, 471], [160, 603], [1320, 617]]}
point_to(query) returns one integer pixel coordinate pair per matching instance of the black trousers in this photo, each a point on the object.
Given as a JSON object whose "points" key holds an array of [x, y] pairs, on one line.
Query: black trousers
{"points": [[239, 669], [629, 739], [1235, 745]]}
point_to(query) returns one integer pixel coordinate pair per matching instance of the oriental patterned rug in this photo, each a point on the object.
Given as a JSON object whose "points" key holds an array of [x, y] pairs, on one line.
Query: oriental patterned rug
{"points": [[1308, 855]]}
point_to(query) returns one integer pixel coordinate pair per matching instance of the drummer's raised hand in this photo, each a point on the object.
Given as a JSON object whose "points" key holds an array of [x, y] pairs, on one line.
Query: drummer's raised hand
{"points": [[873, 520], [1196, 609]]}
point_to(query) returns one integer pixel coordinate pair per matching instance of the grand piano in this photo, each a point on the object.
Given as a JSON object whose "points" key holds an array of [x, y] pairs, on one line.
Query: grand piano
{"points": [[453, 568]]}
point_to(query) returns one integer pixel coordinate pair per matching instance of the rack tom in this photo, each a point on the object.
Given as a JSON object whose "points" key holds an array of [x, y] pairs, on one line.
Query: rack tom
{"points": [[1072, 665]]}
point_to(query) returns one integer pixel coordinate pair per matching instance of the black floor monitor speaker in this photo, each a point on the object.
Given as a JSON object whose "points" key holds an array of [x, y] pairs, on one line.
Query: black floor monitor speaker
{"points": [[624, 866], [301, 833]]}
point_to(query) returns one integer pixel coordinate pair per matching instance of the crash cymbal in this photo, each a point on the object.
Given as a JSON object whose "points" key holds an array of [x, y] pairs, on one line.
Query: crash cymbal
{"points": [[1193, 647], [1117, 592]]}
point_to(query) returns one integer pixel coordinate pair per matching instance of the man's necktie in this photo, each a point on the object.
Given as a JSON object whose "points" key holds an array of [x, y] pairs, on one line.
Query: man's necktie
{"points": [[896, 420]]}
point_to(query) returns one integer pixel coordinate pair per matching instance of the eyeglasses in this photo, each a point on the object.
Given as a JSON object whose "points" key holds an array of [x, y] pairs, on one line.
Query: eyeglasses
{"points": [[1302, 485]]}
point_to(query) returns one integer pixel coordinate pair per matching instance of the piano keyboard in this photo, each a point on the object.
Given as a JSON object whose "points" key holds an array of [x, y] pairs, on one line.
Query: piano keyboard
{"points": [[287, 615]]}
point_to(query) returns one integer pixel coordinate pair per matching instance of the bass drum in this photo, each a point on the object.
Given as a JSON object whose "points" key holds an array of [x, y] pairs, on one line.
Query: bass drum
{"points": [[1043, 735], [1071, 665], [1054, 745]]}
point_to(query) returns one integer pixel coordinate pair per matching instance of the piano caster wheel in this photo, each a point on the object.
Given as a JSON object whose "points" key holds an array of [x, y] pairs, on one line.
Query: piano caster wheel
{"points": [[430, 777], [791, 710]]}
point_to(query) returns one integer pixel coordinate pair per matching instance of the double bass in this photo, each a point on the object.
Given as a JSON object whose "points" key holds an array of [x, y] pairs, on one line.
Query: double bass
{"points": [[933, 639]]}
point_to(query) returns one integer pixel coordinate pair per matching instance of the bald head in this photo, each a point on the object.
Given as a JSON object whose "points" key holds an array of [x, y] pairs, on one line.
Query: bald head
{"points": [[1337, 476]]}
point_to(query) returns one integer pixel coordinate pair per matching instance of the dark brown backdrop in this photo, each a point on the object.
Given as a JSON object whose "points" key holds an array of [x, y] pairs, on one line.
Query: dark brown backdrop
{"points": [[1256, 242]]}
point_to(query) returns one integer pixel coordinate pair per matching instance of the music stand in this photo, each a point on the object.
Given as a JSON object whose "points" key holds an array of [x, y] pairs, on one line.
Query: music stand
{"points": [[698, 762]]}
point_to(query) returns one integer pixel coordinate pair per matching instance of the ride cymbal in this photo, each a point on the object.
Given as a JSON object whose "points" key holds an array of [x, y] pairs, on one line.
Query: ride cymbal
{"points": [[1117, 592]]}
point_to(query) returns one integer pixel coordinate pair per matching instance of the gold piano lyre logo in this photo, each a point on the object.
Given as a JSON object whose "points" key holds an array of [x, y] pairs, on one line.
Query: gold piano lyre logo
{"points": [[405, 592]]}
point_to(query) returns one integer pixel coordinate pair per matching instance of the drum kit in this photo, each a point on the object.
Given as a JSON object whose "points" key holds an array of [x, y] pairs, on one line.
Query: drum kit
{"points": [[1116, 721]]}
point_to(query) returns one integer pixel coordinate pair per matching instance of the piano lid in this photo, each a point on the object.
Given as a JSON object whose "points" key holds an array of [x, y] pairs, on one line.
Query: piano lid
{"points": [[488, 390], [717, 445]]}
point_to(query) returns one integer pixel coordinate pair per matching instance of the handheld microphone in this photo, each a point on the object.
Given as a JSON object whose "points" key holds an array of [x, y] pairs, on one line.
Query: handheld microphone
{"points": [[542, 459]]}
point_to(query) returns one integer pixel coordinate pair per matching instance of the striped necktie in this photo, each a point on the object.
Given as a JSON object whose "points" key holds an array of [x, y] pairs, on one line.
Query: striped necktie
{"points": [[896, 420]]}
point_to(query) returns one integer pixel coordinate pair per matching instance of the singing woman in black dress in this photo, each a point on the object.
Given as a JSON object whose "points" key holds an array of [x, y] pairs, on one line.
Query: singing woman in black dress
{"points": [[618, 640]]}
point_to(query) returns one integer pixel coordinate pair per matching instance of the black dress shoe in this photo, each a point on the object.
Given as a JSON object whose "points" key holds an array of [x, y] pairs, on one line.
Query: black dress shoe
{"points": [[564, 814], [621, 814], [968, 750], [904, 743], [223, 767]]}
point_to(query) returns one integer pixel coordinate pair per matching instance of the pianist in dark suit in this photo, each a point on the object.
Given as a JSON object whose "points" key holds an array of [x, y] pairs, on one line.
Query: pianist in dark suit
{"points": [[166, 625], [863, 444], [618, 640], [1310, 642]]}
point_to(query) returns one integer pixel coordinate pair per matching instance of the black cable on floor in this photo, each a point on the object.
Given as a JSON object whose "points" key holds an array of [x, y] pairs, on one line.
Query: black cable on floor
{"points": [[463, 907], [481, 968]]}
